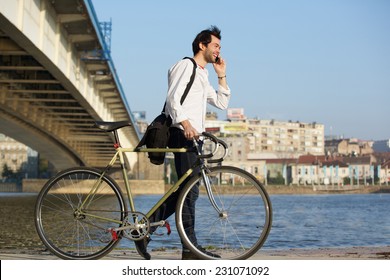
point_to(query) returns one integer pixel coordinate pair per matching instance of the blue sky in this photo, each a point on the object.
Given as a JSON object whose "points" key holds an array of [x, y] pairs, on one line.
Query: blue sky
{"points": [[325, 61]]}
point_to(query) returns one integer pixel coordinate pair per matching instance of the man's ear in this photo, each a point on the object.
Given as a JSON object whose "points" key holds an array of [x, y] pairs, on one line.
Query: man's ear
{"points": [[202, 47]]}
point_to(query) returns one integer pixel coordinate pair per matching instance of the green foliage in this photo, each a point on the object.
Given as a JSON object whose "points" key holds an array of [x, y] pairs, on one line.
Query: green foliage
{"points": [[6, 172], [278, 180]]}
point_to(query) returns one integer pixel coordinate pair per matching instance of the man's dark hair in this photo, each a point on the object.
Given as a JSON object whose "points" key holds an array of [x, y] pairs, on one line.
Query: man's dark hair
{"points": [[204, 37]]}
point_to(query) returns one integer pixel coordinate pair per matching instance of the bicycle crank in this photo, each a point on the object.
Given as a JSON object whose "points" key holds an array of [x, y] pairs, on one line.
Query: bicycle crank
{"points": [[136, 226]]}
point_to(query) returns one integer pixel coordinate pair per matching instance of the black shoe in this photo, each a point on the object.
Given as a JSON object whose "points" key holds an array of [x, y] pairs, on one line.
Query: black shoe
{"points": [[188, 255], [141, 247]]}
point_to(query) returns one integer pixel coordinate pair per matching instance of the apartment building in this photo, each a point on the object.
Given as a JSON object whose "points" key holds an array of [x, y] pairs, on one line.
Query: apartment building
{"points": [[262, 139], [254, 143]]}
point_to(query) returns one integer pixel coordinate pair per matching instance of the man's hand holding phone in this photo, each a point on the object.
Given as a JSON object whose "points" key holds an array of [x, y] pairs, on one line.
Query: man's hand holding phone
{"points": [[219, 66]]}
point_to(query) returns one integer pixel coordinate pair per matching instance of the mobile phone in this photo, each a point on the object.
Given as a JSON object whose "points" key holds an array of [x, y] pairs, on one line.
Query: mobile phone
{"points": [[217, 59]]}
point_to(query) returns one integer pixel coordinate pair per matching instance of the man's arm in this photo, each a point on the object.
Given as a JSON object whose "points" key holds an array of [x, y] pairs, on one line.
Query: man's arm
{"points": [[189, 131], [220, 69], [219, 99]]}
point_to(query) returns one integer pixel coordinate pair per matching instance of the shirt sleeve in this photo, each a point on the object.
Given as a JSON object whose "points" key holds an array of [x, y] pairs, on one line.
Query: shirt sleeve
{"points": [[219, 98], [178, 77]]}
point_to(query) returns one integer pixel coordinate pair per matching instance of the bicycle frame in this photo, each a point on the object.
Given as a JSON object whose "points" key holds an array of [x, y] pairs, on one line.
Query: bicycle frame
{"points": [[120, 155]]}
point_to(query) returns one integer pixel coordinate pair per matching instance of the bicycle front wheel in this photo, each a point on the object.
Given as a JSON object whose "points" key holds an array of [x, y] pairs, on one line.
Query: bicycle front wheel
{"points": [[236, 226], [74, 212]]}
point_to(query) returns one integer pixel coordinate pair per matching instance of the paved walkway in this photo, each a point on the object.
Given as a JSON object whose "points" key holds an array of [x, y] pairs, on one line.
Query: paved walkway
{"points": [[353, 253]]}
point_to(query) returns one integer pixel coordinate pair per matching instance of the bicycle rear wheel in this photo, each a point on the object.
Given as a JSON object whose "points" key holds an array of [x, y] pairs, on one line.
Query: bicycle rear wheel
{"points": [[73, 233], [241, 226]]}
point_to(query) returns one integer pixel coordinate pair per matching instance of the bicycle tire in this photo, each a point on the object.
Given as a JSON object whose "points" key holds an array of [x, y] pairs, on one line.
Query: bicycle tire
{"points": [[243, 227], [62, 230]]}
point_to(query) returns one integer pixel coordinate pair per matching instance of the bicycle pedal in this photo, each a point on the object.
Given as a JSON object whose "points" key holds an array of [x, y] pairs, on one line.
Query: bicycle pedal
{"points": [[107, 236], [168, 226], [114, 235]]}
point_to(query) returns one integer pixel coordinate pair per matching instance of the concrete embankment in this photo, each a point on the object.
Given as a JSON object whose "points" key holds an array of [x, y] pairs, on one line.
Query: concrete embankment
{"points": [[273, 189]]}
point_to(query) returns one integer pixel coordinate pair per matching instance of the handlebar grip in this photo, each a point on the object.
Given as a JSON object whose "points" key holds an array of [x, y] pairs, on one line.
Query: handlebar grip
{"points": [[217, 142]]}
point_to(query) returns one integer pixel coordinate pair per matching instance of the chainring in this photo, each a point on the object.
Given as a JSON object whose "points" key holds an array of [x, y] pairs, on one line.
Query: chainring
{"points": [[139, 226]]}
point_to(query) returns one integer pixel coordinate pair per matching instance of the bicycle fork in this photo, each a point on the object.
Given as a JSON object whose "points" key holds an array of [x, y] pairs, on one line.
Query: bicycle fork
{"points": [[222, 213], [207, 183]]}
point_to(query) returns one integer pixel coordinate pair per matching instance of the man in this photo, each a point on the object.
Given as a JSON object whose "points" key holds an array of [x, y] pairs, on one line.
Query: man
{"points": [[188, 119]]}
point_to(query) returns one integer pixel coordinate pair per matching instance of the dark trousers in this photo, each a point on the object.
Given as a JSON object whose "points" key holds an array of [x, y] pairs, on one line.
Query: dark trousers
{"points": [[183, 161]]}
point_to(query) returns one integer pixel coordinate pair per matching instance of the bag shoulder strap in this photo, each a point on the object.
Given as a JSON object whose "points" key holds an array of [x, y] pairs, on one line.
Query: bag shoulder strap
{"points": [[189, 85]]}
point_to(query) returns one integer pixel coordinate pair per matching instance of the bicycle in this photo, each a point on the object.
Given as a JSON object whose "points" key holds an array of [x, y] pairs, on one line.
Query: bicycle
{"points": [[81, 213]]}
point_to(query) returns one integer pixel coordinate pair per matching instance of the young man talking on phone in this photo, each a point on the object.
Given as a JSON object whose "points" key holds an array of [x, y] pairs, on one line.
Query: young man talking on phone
{"points": [[188, 118]]}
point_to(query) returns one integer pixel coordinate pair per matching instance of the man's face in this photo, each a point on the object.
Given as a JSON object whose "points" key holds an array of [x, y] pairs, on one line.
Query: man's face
{"points": [[211, 52]]}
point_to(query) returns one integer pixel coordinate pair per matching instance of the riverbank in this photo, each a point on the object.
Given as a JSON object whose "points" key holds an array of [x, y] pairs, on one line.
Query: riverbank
{"points": [[140, 187], [277, 189]]}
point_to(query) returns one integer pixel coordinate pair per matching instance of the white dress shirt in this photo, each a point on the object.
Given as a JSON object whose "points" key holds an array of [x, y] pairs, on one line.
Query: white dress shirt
{"points": [[201, 93]]}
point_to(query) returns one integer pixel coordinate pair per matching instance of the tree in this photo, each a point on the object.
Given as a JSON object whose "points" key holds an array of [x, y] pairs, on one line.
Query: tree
{"points": [[7, 173]]}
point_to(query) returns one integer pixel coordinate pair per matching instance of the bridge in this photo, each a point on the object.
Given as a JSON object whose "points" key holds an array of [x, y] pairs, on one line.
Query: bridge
{"points": [[57, 78]]}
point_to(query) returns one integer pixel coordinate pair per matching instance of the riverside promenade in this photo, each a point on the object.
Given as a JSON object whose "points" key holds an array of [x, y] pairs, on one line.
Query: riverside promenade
{"points": [[303, 264], [353, 253]]}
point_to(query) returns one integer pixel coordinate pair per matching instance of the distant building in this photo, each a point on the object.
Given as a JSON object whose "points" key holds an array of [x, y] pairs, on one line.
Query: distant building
{"points": [[382, 146], [348, 147], [266, 148], [17, 157], [211, 115], [385, 172], [140, 118], [235, 114], [262, 139], [297, 153]]}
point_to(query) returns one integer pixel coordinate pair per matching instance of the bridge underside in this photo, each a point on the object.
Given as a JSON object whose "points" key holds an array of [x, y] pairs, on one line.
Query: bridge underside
{"points": [[42, 107]]}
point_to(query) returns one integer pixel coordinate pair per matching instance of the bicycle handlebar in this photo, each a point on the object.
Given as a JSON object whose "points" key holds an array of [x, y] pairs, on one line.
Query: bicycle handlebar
{"points": [[226, 149], [217, 143]]}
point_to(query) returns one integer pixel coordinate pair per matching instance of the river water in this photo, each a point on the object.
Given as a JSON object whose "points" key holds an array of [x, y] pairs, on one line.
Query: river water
{"points": [[299, 221]]}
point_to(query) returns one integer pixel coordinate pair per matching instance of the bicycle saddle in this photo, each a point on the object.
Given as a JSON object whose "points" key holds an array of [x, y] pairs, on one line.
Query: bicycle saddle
{"points": [[111, 126]]}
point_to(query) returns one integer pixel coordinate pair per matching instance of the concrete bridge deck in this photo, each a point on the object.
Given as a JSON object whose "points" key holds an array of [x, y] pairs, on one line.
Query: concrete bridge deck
{"points": [[56, 78]]}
